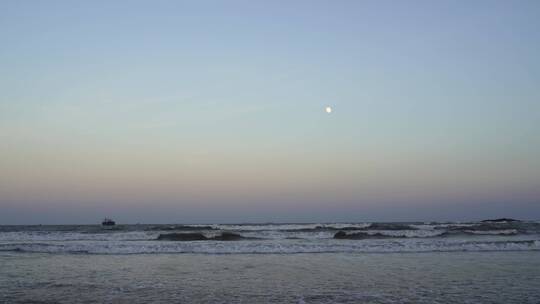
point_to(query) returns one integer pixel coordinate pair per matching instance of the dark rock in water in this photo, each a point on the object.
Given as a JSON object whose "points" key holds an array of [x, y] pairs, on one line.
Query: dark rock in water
{"points": [[182, 237], [225, 236], [340, 235], [362, 236], [499, 220]]}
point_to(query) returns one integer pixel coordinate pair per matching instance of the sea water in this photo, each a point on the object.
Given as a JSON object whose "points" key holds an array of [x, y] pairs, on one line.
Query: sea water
{"points": [[273, 263]]}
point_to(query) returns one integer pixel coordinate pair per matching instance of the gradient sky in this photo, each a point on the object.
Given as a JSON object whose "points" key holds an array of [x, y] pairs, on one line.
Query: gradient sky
{"points": [[213, 111]]}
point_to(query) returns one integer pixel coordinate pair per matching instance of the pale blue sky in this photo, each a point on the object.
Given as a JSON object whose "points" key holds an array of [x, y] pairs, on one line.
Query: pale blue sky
{"points": [[199, 111]]}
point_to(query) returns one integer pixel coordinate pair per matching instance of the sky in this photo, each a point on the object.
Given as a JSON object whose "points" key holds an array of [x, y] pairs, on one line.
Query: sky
{"points": [[214, 111]]}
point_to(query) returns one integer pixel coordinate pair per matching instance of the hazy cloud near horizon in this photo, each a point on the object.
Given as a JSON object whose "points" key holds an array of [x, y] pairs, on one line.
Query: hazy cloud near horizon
{"points": [[215, 111]]}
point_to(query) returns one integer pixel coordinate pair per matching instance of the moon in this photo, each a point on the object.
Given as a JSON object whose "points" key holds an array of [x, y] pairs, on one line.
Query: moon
{"points": [[328, 110]]}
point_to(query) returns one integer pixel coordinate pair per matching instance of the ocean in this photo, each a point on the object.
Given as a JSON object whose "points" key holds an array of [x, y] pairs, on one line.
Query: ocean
{"points": [[475, 262]]}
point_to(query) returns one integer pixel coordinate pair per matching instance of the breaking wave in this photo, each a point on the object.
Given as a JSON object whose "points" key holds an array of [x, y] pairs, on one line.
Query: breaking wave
{"points": [[273, 238], [269, 247]]}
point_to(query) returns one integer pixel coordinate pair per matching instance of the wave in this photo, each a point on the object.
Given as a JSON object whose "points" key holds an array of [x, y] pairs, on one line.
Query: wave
{"points": [[270, 247], [314, 234], [39, 236], [507, 232], [362, 236], [180, 228], [390, 226], [273, 238], [420, 234], [186, 237], [324, 227], [520, 227], [296, 227]]}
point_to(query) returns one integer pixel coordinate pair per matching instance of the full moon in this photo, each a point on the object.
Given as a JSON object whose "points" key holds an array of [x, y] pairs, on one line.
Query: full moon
{"points": [[328, 110]]}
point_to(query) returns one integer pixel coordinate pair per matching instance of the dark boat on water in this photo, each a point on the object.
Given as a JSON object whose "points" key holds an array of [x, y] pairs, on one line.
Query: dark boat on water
{"points": [[108, 222]]}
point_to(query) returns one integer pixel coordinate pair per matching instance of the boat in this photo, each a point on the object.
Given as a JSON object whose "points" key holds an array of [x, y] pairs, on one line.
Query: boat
{"points": [[108, 222]]}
